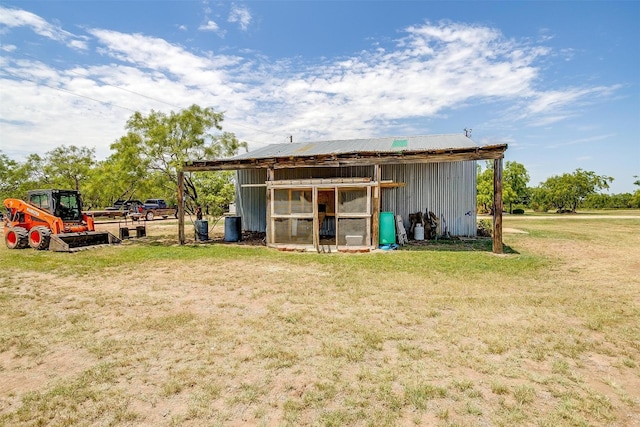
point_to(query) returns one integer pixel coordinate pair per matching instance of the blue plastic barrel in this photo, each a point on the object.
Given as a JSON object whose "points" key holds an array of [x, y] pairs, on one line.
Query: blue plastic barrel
{"points": [[232, 228], [387, 228], [202, 230]]}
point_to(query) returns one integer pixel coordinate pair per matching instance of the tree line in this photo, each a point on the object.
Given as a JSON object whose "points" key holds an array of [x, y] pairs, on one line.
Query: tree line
{"points": [[559, 193], [145, 162]]}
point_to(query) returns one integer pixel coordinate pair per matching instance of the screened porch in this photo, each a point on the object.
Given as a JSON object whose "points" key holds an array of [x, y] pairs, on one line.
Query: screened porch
{"points": [[320, 214]]}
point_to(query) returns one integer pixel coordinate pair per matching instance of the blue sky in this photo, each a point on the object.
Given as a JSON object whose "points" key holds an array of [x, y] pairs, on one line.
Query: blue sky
{"points": [[558, 81]]}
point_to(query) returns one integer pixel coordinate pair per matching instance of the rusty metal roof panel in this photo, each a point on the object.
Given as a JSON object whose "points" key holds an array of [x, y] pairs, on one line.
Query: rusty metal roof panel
{"points": [[369, 145]]}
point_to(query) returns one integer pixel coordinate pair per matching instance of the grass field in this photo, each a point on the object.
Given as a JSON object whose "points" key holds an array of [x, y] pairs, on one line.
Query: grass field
{"points": [[149, 333]]}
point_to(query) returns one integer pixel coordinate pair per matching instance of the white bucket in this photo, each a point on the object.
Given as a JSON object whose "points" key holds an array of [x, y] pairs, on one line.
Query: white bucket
{"points": [[418, 232]]}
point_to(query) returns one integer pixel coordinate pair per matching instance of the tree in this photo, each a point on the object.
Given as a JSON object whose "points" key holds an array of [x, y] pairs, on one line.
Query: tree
{"points": [[568, 191], [159, 144], [216, 190], [17, 178], [635, 199], [516, 179], [484, 187], [109, 181], [68, 167], [8, 178], [121, 176], [609, 201], [514, 185]]}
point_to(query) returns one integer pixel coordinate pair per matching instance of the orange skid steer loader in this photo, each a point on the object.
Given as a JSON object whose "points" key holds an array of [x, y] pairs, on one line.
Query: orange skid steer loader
{"points": [[51, 219]]}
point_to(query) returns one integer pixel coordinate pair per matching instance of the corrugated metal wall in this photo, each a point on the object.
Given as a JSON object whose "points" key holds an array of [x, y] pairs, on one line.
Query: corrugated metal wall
{"points": [[251, 202], [446, 189]]}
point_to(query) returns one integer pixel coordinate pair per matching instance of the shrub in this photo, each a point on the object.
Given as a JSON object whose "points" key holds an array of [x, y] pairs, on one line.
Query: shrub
{"points": [[485, 227]]}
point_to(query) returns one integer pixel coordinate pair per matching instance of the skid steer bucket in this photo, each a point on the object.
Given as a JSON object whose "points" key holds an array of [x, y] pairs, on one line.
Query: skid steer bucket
{"points": [[72, 242]]}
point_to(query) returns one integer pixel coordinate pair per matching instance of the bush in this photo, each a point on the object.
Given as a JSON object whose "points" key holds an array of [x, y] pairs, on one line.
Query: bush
{"points": [[485, 227]]}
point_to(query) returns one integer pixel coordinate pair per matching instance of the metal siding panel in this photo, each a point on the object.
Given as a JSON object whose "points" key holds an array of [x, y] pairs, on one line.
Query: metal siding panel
{"points": [[251, 202], [446, 189]]}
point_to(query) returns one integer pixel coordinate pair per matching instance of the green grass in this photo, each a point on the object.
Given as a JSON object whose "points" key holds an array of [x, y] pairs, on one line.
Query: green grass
{"points": [[151, 333], [99, 260], [579, 212]]}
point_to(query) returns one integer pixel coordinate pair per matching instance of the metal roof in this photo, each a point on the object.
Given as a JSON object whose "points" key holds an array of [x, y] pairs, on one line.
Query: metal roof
{"points": [[392, 144], [356, 152]]}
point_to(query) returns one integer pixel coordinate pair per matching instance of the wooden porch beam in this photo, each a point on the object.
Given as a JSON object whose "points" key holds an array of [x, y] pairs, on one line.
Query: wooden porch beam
{"points": [[350, 159]]}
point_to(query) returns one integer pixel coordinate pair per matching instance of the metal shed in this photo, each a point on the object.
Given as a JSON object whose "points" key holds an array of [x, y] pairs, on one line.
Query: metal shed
{"points": [[299, 192]]}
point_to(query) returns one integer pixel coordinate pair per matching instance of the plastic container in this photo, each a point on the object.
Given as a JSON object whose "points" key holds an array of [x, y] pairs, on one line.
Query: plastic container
{"points": [[353, 240], [232, 228], [387, 228], [202, 230], [418, 232]]}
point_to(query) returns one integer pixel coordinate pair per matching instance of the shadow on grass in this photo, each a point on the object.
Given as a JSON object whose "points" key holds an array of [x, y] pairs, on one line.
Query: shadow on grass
{"points": [[451, 245], [456, 245], [169, 241]]}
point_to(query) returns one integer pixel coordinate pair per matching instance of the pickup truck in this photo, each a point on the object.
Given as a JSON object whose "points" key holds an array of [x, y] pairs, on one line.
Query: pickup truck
{"points": [[152, 208]]}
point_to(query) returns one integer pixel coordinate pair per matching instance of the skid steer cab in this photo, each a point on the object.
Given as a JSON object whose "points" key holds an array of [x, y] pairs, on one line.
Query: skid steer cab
{"points": [[51, 219]]}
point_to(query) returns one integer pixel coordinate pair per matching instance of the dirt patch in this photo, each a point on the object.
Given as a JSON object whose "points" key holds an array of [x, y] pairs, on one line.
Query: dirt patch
{"points": [[546, 336], [25, 374], [514, 230]]}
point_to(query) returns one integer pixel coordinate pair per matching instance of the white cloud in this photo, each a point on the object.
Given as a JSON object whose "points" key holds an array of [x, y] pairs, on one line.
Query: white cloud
{"points": [[587, 140], [166, 61], [555, 99], [551, 106], [432, 70], [241, 15], [21, 18], [209, 26]]}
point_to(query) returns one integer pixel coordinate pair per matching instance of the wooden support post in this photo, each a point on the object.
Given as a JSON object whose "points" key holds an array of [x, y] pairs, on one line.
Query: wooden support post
{"points": [[316, 217], [268, 230], [497, 206], [181, 237], [375, 201]]}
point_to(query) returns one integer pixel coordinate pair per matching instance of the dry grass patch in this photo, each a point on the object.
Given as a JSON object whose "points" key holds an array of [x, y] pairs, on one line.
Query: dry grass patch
{"points": [[155, 334]]}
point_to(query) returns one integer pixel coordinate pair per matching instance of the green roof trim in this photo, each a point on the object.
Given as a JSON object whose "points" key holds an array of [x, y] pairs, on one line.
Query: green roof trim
{"points": [[397, 143]]}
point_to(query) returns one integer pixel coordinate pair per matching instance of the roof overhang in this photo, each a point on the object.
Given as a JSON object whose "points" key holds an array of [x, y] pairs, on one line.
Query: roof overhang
{"points": [[360, 158]]}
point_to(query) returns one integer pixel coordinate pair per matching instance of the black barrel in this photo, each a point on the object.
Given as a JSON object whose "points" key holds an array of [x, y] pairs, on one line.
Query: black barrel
{"points": [[202, 230], [232, 228]]}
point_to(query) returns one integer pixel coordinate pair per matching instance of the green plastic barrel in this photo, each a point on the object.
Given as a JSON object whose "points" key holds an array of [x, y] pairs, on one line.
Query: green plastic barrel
{"points": [[387, 228]]}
